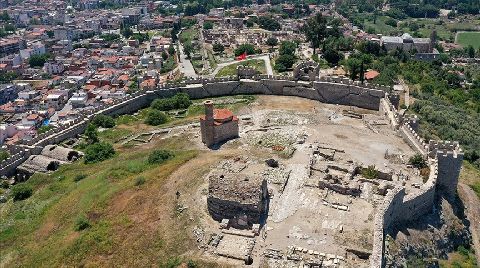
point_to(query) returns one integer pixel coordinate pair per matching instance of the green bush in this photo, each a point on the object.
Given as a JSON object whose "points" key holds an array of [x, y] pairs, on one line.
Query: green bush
{"points": [[82, 223], [98, 152], [418, 161], [4, 184], [139, 181], [91, 134], [245, 48], [4, 155], [370, 172], [104, 121], [21, 192], [79, 177], [159, 156], [155, 118], [179, 101], [43, 129]]}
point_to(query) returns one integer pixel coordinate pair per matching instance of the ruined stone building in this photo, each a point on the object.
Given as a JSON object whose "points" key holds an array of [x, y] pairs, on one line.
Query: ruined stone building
{"points": [[217, 125], [237, 197], [50, 159]]}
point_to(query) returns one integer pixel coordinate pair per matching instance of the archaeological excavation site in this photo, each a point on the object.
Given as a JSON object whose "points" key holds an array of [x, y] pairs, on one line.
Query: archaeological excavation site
{"points": [[316, 184], [300, 174]]}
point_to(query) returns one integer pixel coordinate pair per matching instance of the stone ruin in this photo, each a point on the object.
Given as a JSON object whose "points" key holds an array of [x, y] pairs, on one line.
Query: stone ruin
{"points": [[344, 177], [306, 71], [50, 159], [244, 72], [240, 198]]}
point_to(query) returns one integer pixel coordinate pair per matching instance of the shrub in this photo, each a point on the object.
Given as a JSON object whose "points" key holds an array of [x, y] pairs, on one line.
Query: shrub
{"points": [[91, 134], [43, 129], [79, 177], [179, 101], [82, 223], [139, 181], [159, 156], [21, 192], [4, 184], [4, 155], [418, 161], [245, 48], [98, 152], [104, 121], [370, 172], [155, 118]]}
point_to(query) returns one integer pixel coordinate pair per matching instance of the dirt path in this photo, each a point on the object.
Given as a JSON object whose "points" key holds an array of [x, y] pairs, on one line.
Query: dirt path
{"points": [[472, 209]]}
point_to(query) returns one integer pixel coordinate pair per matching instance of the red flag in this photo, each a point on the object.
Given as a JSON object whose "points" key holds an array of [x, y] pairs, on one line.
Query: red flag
{"points": [[243, 56]]}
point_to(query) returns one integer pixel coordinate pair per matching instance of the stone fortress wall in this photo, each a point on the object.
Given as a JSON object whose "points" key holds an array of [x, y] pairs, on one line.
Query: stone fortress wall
{"points": [[445, 161], [445, 158]]}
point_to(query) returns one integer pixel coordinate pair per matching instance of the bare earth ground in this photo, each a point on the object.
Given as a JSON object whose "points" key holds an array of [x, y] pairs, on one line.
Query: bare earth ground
{"points": [[146, 225], [297, 216]]}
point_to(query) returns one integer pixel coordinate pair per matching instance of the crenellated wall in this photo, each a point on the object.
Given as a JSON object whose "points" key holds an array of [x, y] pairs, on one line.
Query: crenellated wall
{"points": [[397, 208], [445, 161], [329, 90]]}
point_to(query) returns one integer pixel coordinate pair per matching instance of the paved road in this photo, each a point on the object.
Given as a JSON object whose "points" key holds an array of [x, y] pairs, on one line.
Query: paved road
{"points": [[186, 66], [265, 58], [472, 209]]}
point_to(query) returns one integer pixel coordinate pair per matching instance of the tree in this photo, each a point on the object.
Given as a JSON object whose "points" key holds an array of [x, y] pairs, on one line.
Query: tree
{"points": [[352, 65], [287, 48], [171, 50], [98, 152], [127, 32], [155, 118], [218, 48], [21, 191], [188, 49], [245, 48], [471, 51], [272, 41], [104, 121], [332, 56], [208, 25], [91, 134], [164, 55], [418, 161], [38, 60], [4, 155], [268, 23], [315, 30], [284, 62]]}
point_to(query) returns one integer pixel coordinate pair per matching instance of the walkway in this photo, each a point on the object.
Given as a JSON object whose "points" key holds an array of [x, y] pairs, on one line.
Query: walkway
{"points": [[186, 66]]}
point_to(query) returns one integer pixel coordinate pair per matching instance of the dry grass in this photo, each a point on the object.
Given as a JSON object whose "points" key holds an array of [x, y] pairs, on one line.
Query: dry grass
{"points": [[135, 226]]}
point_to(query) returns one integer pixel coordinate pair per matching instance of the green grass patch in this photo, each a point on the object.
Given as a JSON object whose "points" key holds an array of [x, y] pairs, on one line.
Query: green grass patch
{"points": [[231, 69], [471, 176], [114, 135], [61, 224], [469, 39], [188, 35], [462, 258]]}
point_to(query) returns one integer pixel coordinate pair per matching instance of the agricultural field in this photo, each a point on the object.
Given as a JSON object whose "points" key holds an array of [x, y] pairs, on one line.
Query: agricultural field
{"points": [[468, 39]]}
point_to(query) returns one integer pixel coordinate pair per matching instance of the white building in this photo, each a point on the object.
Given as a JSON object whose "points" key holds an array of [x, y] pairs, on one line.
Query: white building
{"points": [[53, 67]]}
